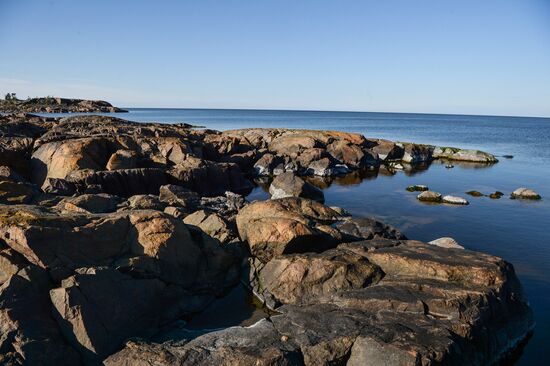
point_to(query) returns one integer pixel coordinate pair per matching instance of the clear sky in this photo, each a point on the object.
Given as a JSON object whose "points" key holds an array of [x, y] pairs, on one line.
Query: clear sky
{"points": [[464, 56]]}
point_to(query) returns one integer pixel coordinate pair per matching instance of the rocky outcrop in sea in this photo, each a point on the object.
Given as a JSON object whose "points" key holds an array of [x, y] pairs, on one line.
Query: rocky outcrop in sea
{"points": [[112, 232], [57, 105]]}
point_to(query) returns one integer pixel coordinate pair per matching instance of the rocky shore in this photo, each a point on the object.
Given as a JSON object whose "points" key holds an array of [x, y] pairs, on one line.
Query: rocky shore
{"points": [[112, 232], [57, 105]]}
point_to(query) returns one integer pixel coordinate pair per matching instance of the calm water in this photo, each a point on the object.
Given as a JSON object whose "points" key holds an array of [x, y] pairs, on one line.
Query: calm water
{"points": [[515, 230]]}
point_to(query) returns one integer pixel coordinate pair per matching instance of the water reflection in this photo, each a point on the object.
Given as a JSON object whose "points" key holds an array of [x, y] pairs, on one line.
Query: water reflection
{"points": [[356, 177]]}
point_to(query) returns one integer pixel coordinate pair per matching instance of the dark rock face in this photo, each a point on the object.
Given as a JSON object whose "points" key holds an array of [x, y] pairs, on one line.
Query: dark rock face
{"points": [[28, 332]]}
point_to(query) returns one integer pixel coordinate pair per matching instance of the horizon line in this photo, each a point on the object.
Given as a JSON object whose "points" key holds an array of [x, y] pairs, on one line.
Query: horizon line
{"points": [[337, 111]]}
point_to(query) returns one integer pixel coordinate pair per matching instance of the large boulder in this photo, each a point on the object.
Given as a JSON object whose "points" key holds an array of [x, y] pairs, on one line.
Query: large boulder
{"points": [[289, 185], [287, 225], [416, 153], [300, 278], [58, 159], [525, 193]]}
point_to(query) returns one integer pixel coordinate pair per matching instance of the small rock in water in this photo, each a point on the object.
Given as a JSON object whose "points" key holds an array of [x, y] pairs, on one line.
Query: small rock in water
{"points": [[429, 196], [525, 193], [446, 242], [417, 188], [508, 156], [449, 166], [496, 195], [475, 193], [454, 200]]}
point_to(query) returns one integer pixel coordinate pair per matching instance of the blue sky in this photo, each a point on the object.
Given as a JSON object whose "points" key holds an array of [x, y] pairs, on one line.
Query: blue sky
{"points": [[468, 57]]}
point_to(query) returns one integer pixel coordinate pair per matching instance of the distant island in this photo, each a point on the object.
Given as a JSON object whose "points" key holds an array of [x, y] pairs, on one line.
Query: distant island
{"points": [[11, 104]]}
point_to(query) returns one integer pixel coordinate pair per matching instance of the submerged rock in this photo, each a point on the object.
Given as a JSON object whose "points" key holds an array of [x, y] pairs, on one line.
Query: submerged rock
{"points": [[417, 188], [525, 193], [475, 193], [496, 195]]}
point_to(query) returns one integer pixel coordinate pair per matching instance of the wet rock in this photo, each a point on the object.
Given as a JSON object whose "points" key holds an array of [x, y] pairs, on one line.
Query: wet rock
{"points": [[452, 153], [355, 229], [387, 150], [289, 185], [90, 203], [352, 155], [446, 242], [179, 196], [429, 196], [525, 193], [417, 188], [122, 159], [453, 200], [496, 195], [58, 186], [415, 153], [326, 167], [287, 225], [475, 193]]}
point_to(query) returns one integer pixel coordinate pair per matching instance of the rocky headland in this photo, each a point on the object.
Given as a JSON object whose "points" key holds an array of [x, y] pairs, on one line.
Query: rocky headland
{"points": [[112, 232], [57, 105]]}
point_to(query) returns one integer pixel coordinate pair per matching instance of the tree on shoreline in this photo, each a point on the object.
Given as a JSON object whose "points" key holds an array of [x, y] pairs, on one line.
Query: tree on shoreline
{"points": [[10, 96]]}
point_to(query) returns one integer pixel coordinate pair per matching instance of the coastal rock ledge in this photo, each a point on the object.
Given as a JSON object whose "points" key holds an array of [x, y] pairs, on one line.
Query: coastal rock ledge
{"points": [[113, 234]]}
